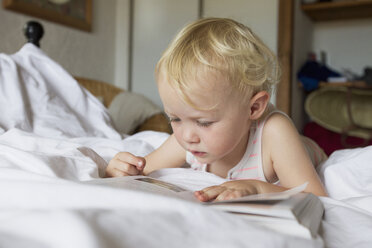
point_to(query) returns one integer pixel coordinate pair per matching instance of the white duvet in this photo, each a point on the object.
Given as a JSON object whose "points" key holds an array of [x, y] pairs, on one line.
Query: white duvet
{"points": [[46, 156]]}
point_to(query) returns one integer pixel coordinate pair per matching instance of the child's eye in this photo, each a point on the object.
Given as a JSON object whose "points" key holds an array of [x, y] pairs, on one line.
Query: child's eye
{"points": [[204, 123], [173, 119]]}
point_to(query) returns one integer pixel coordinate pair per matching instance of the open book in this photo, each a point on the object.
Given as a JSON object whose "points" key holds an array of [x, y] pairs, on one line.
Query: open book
{"points": [[295, 214], [290, 212]]}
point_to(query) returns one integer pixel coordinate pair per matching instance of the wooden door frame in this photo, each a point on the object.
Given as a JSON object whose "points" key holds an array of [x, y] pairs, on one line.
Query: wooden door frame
{"points": [[285, 47]]}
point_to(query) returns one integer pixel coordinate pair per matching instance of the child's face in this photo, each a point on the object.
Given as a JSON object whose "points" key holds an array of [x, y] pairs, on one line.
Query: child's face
{"points": [[216, 135]]}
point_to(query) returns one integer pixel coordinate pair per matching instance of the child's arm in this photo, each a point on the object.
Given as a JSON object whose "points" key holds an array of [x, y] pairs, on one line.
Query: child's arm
{"points": [[169, 154], [286, 157], [289, 159]]}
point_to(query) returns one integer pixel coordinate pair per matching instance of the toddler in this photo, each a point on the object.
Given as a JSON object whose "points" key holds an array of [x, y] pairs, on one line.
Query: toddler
{"points": [[215, 81]]}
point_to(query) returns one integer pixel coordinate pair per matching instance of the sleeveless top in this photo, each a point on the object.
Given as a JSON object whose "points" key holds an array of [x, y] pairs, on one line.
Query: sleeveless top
{"points": [[250, 166]]}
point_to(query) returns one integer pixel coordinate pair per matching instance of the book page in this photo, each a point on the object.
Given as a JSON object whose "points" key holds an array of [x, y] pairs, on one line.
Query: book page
{"points": [[146, 184]]}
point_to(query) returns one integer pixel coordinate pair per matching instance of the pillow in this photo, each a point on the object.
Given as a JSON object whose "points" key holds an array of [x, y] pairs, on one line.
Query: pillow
{"points": [[128, 110]]}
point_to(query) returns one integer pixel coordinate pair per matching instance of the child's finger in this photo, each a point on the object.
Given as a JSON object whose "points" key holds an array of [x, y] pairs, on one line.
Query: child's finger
{"points": [[209, 193], [141, 163], [119, 173], [227, 194], [129, 158], [127, 168], [113, 172]]}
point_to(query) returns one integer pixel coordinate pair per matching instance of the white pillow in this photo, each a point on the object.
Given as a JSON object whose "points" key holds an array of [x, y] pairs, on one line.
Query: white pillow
{"points": [[128, 110], [347, 173]]}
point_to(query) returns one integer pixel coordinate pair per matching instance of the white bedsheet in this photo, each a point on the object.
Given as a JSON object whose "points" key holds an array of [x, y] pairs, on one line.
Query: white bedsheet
{"points": [[43, 203], [46, 156]]}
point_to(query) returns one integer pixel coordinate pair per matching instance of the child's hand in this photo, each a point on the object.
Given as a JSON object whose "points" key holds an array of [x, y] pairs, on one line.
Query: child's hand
{"points": [[125, 164], [228, 190]]}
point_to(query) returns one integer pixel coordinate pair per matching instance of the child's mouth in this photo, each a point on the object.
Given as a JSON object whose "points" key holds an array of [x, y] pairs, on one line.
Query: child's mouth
{"points": [[198, 154]]}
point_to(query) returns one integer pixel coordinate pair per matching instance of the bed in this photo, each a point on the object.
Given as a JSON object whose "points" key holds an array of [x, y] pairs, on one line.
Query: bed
{"points": [[55, 135]]}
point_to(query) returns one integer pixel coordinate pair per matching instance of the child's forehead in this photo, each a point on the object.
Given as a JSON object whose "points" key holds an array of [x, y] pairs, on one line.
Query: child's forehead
{"points": [[197, 78], [201, 88], [210, 83]]}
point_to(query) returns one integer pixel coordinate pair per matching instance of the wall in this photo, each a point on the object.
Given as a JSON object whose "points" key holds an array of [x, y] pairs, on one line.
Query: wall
{"points": [[154, 25], [122, 44], [156, 22], [88, 54], [260, 16], [347, 43]]}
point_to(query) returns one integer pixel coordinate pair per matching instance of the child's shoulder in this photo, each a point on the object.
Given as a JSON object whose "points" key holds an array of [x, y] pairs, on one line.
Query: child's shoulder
{"points": [[277, 123], [273, 115], [278, 136]]}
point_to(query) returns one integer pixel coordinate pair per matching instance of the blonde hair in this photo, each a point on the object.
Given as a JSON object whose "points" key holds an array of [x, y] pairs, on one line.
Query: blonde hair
{"points": [[223, 46]]}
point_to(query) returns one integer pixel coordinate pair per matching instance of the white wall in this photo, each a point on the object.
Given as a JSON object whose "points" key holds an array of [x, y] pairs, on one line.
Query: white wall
{"points": [[260, 15], [122, 39], [155, 23], [88, 54], [347, 43]]}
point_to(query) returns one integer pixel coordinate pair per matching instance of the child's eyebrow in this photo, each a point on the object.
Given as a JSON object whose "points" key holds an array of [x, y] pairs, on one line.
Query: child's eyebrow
{"points": [[204, 116]]}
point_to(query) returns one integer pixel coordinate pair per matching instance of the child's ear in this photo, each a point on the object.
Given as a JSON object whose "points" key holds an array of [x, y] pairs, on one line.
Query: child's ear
{"points": [[258, 104]]}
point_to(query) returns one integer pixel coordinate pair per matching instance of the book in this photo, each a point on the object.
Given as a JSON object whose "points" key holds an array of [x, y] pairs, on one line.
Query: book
{"points": [[290, 212], [300, 214]]}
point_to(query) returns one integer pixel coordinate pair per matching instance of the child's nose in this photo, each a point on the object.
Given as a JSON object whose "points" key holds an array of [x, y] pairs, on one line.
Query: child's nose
{"points": [[190, 136]]}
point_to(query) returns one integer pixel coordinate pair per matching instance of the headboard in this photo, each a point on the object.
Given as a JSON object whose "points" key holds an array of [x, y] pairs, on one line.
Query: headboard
{"points": [[34, 31]]}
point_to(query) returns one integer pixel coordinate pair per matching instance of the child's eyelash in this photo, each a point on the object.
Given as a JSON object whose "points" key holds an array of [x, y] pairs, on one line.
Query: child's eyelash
{"points": [[199, 123], [171, 119], [204, 124]]}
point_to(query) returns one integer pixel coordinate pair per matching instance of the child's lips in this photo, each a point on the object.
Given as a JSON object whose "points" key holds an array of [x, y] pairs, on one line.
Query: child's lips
{"points": [[198, 154]]}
